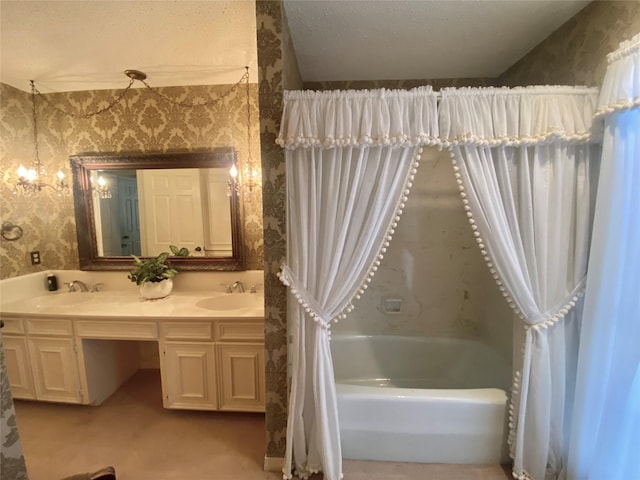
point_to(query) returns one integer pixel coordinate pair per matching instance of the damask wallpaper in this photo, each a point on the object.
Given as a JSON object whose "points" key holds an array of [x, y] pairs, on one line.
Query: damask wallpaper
{"points": [[575, 54], [142, 122], [278, 71]]}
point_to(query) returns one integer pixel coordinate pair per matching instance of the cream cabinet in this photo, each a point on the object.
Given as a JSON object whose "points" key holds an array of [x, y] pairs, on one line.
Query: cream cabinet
{"points": [[213, 365], [240, 356], [42, 360], [188, 376], [18, 366], [241, 376], [55, 369], [205, 363]]}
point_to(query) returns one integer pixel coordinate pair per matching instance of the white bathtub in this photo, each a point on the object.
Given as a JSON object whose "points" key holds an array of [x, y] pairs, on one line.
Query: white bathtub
{"points": [[430, 400]]}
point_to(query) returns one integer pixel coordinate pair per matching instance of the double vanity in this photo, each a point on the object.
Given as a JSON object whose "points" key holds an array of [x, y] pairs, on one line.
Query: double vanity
{"points": [[80, 347]]}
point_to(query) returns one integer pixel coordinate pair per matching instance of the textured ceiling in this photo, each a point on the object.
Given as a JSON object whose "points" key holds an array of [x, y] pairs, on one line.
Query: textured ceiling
{"points": [[87, 44], [419, 39]]}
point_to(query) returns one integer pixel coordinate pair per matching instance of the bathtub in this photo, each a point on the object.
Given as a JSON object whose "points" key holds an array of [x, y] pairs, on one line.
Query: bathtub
{"points": [[430, 400]]}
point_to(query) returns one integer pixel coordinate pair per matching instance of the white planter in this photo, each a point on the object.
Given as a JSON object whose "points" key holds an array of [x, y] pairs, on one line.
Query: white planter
{"points": [[153, 290]]}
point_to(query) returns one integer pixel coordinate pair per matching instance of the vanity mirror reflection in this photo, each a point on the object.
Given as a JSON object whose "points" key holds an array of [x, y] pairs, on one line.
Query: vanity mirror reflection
{"points": [[141, 203]]}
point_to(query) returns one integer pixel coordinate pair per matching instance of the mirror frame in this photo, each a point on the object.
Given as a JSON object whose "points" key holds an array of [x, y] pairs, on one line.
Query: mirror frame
{"points": [[83, 164]]}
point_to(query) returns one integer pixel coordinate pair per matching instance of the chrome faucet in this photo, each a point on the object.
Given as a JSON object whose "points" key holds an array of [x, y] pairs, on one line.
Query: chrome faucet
{"points": [[239, 286], [81, 285]]}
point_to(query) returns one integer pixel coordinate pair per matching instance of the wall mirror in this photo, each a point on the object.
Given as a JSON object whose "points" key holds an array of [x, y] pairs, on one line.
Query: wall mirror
{"points": [[140, 204]]}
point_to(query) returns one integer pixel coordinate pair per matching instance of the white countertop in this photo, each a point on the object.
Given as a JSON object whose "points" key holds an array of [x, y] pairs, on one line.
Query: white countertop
{"points": [[195, 295], [127, 304]]}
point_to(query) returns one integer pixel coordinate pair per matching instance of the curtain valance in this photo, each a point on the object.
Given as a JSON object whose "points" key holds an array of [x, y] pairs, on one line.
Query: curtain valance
{"points": [[517, 116], [621, 87], [478, 116], [359, 118]]}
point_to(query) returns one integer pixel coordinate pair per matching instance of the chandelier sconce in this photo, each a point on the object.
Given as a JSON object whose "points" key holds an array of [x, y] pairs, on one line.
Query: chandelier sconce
{"points": [[250, 178], [233, 186], [100, 188], [32, 180]]}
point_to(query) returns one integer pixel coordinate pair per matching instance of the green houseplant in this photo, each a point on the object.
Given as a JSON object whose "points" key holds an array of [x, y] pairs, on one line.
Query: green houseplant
{"points": [[154, 275], [154, 269]]}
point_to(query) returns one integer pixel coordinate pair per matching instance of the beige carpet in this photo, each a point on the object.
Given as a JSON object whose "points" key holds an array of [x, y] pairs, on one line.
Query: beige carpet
{"points": [[143, 441]]}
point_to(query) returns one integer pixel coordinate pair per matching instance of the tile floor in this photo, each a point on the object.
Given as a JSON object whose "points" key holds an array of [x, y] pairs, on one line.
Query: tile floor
{"points": [[132, 432]]}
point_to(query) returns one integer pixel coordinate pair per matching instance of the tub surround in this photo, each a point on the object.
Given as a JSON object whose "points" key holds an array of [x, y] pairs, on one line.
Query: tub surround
{"points": [[80, 347]]}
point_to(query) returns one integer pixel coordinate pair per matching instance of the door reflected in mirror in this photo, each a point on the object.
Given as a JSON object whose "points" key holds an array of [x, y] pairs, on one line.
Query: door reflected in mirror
{"points": [[141, 204], [140, 212]]}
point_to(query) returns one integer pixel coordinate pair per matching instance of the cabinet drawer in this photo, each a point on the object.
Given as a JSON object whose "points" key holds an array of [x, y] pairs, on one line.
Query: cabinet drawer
{"points": [[238, 331], [186, 330], [13, 325], [117, 330], [43, 326]]}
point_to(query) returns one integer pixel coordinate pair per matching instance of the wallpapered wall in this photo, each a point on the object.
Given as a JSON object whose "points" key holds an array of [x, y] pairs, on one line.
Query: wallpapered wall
{"points": [[278, 70], [143, 122], [575, 54]]}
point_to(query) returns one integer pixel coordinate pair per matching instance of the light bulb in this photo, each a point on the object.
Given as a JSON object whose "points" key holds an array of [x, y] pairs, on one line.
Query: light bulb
{"points": [[22, 172], [60, 175], [233, 171], [101, 181], [31, 174]]}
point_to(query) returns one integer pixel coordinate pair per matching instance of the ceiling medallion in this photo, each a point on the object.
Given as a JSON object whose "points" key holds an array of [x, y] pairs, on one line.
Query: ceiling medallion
{"points": [[135, 75]]}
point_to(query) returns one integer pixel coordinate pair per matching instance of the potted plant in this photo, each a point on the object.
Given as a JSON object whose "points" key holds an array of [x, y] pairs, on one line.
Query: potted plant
{"points": [[154, 275]]}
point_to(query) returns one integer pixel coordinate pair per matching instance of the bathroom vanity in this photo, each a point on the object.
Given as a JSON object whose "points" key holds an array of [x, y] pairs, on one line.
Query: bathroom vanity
{"points": [[81, 347]]}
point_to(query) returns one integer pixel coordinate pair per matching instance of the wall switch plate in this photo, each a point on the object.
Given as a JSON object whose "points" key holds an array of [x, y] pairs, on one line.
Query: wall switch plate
{"points": [[35, 258]]}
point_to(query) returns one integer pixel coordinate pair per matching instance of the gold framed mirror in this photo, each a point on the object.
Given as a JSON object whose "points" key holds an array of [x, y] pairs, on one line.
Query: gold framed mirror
{"points": [[142, 203]]}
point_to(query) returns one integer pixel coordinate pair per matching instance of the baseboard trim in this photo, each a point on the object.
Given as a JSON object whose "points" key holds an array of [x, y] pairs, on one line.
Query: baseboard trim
{"points": [[273, 464]]}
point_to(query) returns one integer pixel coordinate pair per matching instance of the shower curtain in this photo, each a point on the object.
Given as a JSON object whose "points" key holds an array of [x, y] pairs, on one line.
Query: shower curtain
{"points": [[350, 160], [605, 431], [527, 172], [526, 161]]}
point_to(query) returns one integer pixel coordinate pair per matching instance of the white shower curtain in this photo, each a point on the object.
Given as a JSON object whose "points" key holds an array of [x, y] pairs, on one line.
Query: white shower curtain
{"points": [[350, 160], [527, 175], [605, 433]]}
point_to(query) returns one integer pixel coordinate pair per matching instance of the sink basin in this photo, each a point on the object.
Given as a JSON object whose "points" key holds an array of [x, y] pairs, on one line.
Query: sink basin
{"points": [[232, 301], [58, 300]]}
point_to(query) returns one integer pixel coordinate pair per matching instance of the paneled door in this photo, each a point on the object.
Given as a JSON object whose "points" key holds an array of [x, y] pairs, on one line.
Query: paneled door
{"points": [[170, 210]]}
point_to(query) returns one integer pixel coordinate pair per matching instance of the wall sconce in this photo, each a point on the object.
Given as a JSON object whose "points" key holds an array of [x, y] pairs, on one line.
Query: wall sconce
{"points": [[101, 189], [232, 182], [32, 180]]}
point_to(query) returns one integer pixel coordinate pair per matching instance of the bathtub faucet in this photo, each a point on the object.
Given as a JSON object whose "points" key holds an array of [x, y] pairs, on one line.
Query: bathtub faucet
{"points": [[239, 286]]}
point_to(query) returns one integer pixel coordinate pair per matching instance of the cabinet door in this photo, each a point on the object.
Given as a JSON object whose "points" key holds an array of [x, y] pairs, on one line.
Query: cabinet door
{"points": [[55, 369], [189, 376], [241, 377], [18, 367]]}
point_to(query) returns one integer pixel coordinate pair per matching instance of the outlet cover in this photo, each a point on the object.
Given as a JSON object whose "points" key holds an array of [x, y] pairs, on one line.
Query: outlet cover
{"points": [[35, 258]]}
